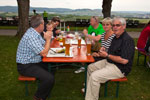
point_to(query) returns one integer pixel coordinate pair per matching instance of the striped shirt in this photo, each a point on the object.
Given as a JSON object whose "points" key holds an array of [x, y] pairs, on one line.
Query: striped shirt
{"points": [[30, 47], [106, 43]]}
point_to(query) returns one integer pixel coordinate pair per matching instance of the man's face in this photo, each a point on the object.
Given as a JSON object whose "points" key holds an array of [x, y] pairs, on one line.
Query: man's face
{"points": [[118, 28], [93, 21], [42, 26]]}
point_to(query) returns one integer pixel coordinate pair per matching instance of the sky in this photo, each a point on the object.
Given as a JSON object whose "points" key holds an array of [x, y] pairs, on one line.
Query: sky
{"points": [[117, 5]]}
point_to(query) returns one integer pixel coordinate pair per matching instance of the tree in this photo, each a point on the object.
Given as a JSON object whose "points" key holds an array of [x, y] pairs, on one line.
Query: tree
{"points": [[23, 13], [106, 8]]}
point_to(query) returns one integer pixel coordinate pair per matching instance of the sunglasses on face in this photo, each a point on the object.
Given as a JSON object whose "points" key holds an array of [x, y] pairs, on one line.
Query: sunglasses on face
{"points": [[117, 25]]}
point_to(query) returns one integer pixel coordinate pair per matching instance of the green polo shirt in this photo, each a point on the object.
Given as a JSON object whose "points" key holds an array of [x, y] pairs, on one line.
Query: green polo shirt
{"points": [[97, 31]]}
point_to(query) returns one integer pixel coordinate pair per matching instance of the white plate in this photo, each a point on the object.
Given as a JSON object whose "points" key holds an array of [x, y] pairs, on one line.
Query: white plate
{"points": [[52, 54]]}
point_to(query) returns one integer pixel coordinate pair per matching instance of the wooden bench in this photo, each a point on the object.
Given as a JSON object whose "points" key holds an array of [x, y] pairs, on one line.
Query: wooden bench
{"points": [[117, 87], [26, 79]]}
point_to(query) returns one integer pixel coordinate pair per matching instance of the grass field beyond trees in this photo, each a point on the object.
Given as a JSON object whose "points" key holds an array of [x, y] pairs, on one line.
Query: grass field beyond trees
{"points": [[67, 84]]}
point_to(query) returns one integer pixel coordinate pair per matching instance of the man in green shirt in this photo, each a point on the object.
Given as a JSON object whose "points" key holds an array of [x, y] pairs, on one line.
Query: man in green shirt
{"points": [[94, 32]]}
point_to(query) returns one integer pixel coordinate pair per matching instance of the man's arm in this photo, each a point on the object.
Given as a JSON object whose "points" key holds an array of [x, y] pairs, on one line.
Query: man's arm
{"points": [[95, 38], [116, 59], [47, 36]]}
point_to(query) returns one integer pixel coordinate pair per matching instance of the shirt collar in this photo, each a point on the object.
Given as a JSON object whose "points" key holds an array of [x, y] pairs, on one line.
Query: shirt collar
{"points": [[121, 35], [35, 32]]}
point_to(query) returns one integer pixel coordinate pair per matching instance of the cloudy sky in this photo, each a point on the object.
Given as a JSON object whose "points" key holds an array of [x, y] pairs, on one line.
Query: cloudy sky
{"points": [[117, 5]]}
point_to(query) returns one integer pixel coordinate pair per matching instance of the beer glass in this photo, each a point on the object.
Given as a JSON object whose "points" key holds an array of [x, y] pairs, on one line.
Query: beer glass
{"points": [[67, 45], [88, 44], [76, 35], [79, 42], [64, 38]]}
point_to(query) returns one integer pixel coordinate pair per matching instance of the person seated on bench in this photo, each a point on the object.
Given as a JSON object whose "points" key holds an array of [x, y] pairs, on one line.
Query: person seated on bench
{"points": [[106, 37], [29, 56], [143, 41], [94, 32], [118, 60]]}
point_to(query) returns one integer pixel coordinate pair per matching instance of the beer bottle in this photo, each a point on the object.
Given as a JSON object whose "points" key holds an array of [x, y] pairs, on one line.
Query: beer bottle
{"points": [[68, 29]]}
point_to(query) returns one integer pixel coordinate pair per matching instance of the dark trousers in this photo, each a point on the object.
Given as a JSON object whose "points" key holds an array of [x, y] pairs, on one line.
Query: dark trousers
{"points": [[40, 71]]}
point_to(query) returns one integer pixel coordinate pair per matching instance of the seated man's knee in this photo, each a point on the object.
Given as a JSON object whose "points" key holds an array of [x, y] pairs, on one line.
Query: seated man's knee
{"points": [[94, 77], [90, 67]]}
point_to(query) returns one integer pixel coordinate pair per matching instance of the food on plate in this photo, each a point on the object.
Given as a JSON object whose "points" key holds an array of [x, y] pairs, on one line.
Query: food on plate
{"points": [[60, 39], [60, 50]]}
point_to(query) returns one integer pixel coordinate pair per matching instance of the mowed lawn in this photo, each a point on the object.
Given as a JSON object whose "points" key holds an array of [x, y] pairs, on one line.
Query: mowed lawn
{"points": [[67, 84]]}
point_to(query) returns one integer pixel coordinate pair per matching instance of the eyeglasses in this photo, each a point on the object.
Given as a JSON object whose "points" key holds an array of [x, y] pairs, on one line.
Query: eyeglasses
{"points": [[117, 25]]}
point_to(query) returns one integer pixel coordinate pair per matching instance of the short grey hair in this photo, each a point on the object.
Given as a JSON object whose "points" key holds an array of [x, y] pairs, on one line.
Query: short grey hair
{"points": [[122, 20], [107, 20], [95, 18], [36, 21]]}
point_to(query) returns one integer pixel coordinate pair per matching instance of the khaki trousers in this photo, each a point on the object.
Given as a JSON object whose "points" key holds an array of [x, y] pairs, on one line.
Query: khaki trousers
{"points": [[100, 72]]}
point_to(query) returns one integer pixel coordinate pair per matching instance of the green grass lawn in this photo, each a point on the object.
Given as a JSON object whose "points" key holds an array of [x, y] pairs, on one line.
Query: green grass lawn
{"points": [[67, 84], [8, 27]]}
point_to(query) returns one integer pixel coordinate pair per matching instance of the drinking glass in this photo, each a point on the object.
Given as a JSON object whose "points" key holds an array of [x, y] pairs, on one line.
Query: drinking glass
{"points": [[67, 45], [79, 42], [64, 38], [88, 44]]}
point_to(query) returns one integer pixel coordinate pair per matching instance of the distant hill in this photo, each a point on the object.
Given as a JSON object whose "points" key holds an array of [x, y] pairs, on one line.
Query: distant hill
{"points": [[89, 12], [39, 9], [96, 12], [8, 9]]}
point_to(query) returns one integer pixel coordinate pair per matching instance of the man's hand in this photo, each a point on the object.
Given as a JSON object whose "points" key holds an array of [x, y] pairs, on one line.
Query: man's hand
{"points": [[102, 49], [95, 54], [48, 35], [103, 53]]}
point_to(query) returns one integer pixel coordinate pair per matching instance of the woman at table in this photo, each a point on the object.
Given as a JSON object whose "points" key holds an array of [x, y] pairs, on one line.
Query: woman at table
{"points": [[56, 22], [106, 37]]}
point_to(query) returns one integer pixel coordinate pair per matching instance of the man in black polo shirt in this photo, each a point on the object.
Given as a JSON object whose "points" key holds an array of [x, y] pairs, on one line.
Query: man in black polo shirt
{"points": [[118, 60]]}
